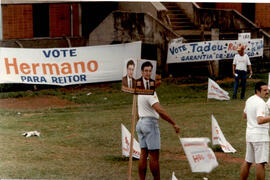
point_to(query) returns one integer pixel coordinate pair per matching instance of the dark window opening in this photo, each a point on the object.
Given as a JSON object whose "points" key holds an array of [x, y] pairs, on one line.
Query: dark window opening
{"points": [[208, 5], [41, 20], [248, 10], [93, 13]]}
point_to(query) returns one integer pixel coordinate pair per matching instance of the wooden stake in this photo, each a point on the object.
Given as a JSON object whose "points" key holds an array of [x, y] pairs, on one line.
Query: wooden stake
{"points": [[134, 112]]}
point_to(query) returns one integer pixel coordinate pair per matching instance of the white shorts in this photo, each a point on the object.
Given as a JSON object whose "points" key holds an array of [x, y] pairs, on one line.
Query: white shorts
{"points": [[257, 152]]}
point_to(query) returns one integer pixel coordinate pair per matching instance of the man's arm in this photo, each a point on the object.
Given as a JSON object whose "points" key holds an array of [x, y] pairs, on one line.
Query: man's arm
{"points": [[163, 114], [244, 115], [250, 70], [233, 69], [262, 120]]}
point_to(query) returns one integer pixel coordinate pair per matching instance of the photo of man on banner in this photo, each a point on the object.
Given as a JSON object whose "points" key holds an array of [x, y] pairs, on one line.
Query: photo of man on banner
{"points": [[139, 76], [145, 77], [128, 80]]}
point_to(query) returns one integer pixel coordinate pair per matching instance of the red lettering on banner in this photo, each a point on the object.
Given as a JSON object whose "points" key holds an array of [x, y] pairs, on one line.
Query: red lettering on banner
{"points": [[197, 158], [217, 95], [225, 147], [217, 89], [210, 156], [217, 130], [234, 47], [195, 144], [50, 68], [126, 140]]}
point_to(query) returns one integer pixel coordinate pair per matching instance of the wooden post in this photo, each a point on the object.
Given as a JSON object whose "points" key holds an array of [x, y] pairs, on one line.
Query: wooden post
{"points": [[215, 64], [134, 112]]}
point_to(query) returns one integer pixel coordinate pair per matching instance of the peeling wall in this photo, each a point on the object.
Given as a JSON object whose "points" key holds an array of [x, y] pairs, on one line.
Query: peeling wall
{"points": [[123, 27]]}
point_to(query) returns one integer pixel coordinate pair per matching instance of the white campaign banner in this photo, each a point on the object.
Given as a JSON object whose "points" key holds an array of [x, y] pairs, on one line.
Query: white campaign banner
{"points": [[179, 52], [219, 138], [200, 157], [126, 142], [66, 66], [215, 92]]}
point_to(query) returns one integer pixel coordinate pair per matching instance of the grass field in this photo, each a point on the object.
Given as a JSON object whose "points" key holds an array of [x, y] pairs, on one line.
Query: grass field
{"points": [[84, 142]]}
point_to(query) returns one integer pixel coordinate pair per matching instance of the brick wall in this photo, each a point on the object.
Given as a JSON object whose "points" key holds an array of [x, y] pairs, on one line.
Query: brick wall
{"points": [[17, 21], [236, 6], [262, 14], [59, 20], [76, 21]]}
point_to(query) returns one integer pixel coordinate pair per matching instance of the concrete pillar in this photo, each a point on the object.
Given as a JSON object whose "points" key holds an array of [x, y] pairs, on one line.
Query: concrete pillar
{"points": [[215, 64]]}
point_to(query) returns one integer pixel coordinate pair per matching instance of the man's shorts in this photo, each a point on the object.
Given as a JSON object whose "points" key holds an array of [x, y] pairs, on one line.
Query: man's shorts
{"points": [[257, 152], [148, 133]]}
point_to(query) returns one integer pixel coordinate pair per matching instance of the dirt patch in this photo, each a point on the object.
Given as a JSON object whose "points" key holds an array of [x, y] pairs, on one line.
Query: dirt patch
{"points": [[226, 157], [38, 102]]}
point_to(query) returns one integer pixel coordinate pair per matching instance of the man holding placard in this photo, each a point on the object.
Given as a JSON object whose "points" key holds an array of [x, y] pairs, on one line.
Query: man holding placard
{"points": [[239, 69], [257, 136], [147, 129]]}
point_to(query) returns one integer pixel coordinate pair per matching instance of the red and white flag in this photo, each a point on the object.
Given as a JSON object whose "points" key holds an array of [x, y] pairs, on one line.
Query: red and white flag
{"points": [[126, 144], [173, 177], [215, 92], [200, 157], [219, 138]]}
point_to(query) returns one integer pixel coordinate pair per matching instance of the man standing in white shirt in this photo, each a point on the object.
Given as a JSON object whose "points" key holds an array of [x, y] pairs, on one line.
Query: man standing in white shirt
{"points": [[147, 129], [257, 137], [239, 69]]}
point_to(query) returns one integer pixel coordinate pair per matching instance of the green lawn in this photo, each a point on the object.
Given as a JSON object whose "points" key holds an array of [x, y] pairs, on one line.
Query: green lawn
{"points": [[84, 142]]}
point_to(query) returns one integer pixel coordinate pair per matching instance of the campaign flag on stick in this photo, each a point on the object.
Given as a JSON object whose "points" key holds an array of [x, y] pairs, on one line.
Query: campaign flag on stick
{"points": [[126, 144], [219, 138], [173, 177], [215, 92], [200, 157]]}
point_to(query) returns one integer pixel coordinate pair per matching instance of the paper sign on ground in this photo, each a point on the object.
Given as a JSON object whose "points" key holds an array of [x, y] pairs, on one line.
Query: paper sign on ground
{"points": [[200, 157], [219, 138], [216, 92], [126, 144]]}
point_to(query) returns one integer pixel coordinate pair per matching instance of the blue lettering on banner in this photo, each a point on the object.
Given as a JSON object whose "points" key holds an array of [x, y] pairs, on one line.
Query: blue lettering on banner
{"points": [[250, 54], [197, 57], [230, 55], [68, 79], [34, 79], [178, 49], [208, 47], [219, 56], [60, 53]]}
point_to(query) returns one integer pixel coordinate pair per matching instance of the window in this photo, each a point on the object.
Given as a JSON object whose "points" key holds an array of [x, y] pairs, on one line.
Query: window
{"points": [[41, 20]]}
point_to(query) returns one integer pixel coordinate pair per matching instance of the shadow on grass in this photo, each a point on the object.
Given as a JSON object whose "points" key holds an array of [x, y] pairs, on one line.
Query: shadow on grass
{"points": [[114, 158], [217, 148]]}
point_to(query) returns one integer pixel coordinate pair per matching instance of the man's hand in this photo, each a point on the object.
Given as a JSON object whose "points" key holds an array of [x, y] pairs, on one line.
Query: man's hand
{"points": [[250, 74], [176, 128]]}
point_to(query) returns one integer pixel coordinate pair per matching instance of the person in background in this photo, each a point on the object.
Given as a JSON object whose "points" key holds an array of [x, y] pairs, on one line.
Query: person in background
{"points": [[257, 136], [239, 69], [148, 132]]}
